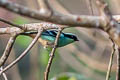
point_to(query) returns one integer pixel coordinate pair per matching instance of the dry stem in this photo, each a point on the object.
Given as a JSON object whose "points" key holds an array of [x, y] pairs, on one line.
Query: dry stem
{"points": [[25, 52], [46, 74], [110, 61], [7, 50]]}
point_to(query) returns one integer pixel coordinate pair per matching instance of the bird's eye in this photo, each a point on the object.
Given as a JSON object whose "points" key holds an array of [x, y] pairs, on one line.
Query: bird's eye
{"points": [[72, 36]]}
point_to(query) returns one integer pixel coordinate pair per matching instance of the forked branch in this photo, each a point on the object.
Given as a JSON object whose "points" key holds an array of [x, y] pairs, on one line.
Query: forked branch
{"points": [[25, 52]]}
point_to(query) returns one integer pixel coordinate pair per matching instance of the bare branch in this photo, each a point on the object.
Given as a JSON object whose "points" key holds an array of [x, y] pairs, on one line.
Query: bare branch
{"points": [[25, 52], [55, 17], [10, 30], [44, 8], [111, 61], [113, 29], [4, 75], [71, 20], [12, 24], [46, 74], [7, 50], [89, 3], [104, 10], [112, 26], [118, 65], [29, 27]]}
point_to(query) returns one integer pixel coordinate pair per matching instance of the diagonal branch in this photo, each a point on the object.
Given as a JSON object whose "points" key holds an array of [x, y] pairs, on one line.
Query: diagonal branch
{"points": [[118, 65], [25, 52], [10, 23], [46, 74], [111, 61], [7, 50]]}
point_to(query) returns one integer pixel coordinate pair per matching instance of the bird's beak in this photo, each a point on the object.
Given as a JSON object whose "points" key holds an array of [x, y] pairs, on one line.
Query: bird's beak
{"points": [[77, 40]]}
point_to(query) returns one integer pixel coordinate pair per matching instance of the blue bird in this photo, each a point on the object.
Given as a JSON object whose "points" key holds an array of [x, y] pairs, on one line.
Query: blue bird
{"points": [[48, 37]]}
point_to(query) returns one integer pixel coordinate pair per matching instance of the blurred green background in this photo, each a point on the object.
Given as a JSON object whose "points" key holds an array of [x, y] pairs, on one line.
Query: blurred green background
{"points": [[84, 60]]}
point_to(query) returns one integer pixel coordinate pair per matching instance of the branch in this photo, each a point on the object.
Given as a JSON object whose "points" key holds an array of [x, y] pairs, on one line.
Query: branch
{"points": [[7, 50], [46, 74], [90, 7], [29, 27], [25, 52], [113, 29], [104, 10], [44, 8], [55, 17], [4, 75], [111, 61], [112, 26], [118, 65], [10, 23]]}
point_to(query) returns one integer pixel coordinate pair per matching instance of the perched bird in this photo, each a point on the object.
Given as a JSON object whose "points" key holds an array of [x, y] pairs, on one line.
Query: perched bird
{"points": [[48, 37]]}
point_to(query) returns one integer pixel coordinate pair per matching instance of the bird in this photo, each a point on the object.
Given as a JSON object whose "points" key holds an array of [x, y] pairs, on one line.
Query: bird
{"points": [[48, 37]]}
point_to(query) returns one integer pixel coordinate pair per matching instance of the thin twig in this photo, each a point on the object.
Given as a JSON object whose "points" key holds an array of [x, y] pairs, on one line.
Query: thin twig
{"points": [[118, 65], [91, 7], [4, 75], [110, 61], [10, 23], [44, 8], [7, 50], [25, 52], [46, 74], [89, 2]]}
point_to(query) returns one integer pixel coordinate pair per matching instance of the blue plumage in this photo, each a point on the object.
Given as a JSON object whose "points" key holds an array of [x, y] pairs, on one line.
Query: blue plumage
{"points": [[50, 35]]}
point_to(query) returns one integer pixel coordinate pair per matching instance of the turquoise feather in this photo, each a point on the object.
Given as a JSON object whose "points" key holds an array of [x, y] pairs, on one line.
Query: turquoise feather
{"points": [[50, 35]]}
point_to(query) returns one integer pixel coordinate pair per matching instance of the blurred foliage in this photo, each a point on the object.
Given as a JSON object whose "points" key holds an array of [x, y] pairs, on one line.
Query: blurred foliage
{"points": [[70, 76], [23, 40], [44, 57], [20, 20], [87, 65]]}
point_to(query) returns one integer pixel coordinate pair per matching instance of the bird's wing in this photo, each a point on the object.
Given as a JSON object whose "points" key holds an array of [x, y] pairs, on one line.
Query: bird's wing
{"points": [[52, 33]]}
